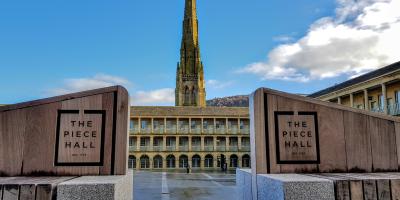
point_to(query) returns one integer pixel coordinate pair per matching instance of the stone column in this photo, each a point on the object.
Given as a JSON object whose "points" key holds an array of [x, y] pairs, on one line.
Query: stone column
{"points": [[177, 125], [352, 100], [215, 126], [239, 143], [339, 100], [164, 143], [151, 143], [384, 103], [202, 126], [190, 125], [177, 143], [165, 125], [226, 126], [215, 143], [239, 161], [190, 143], [366, 101], [138, 143], [202, 143], [227, 144], [152, 125], [140, 125]]}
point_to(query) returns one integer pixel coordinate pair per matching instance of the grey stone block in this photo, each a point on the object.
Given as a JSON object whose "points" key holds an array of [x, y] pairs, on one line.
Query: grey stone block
{"points": [[97, 187], [243, 184], [294, 186]]}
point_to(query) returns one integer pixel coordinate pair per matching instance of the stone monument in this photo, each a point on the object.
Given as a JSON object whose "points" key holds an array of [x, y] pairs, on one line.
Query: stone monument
{"points": [[66, 143], [295, 134]]}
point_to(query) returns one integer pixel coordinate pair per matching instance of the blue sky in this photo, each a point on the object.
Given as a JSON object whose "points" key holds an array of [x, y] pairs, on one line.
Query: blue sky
{"points": [[51, 47]]}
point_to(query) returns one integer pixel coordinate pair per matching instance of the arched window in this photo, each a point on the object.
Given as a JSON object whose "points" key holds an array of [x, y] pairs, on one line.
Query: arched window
{"points": [[171, 161], [132, 162], [183, 161], [187, 96], [144, 162], [233, 161], [208, 161], [196, 161], [157, 162], [246, 161]]}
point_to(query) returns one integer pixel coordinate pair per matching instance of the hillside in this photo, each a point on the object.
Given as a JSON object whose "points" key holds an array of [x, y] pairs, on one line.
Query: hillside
{"points": [[233, 101]]}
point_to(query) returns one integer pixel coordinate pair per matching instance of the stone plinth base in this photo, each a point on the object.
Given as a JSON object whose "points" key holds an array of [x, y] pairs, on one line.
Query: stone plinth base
{"points": [[243, 183], [97, 187], [294, 186], [344, 186]]}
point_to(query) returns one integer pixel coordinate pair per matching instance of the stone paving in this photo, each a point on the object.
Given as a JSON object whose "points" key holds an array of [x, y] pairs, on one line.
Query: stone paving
{"points": [[180, 186]]}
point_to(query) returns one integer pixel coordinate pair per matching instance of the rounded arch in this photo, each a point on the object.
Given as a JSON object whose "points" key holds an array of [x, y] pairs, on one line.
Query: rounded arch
{"points": [[170, 161], [233, 161], [144, 162], [132, 162], [246, 161], [183, 161], [208, 161], [157, 162], [196, 159]]}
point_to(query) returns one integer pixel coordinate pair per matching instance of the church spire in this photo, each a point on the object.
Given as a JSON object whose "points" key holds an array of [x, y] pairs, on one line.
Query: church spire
{"points": [[190, 21], [190, 88]]}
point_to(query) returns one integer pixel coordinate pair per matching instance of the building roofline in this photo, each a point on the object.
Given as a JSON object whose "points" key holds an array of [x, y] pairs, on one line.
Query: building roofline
{"points": [[368, 76]]}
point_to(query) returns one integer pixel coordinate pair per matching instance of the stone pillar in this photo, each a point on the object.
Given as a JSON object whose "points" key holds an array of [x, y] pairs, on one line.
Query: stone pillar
{"points": [[239, 161], [140, 125], [190, 125], [190, 143], [202, 125], [152, 125], [384, 103], [165, 125], [177, 125], [202, 143], [352, 100], [366, 101], [215, 160], [226, 126], [177, 143], [227, 144], [339, 100], [239, 143], [151, 143], [164, 143], [138, 144], [215, 143], [215, 126]]}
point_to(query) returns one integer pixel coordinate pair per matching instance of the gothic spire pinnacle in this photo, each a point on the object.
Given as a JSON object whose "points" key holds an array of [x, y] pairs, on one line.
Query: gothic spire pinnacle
{"points": [[190, 22], [190, 88]]}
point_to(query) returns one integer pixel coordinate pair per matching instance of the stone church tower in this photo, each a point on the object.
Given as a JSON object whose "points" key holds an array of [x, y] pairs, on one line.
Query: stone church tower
{"points": [[190, 86]]}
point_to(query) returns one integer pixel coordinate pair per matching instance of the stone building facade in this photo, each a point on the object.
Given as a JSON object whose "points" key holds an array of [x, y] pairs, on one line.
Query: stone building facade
{"points": [[377, 91], [203, 137]]}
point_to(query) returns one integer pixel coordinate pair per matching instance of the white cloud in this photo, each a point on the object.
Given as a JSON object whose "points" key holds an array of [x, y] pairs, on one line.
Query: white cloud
{"points": [[81, 84], [165, 96], [363, 36], [215, 84]]}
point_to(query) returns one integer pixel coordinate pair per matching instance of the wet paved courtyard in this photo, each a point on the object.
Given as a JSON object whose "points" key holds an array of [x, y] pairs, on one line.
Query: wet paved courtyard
{"points": [[180, 186]]}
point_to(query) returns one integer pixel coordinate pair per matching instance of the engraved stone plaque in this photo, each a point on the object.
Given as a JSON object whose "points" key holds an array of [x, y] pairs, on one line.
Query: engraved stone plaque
{"points": [[296, 137], [80, 136]]}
